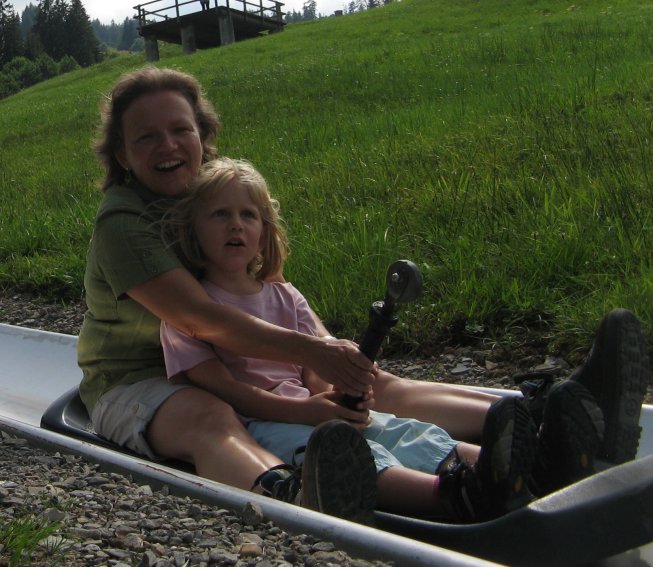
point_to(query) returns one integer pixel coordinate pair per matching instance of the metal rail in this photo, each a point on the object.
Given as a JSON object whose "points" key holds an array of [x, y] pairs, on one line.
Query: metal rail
{"points": [[147, 14], [359, 541]]}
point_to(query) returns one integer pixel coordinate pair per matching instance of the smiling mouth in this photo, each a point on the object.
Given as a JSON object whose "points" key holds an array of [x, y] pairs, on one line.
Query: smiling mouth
{"points": [[168, 166]]}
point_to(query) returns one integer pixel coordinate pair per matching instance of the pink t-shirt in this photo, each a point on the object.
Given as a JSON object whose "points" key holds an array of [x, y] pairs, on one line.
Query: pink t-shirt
{"points": [[277, 303]]}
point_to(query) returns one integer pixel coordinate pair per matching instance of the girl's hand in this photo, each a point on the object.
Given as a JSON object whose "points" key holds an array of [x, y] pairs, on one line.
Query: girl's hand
{"points": [[364, 404], [327, 406]]}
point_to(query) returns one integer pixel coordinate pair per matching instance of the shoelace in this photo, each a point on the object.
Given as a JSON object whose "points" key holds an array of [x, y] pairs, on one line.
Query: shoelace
{"points": [[535, 386]]}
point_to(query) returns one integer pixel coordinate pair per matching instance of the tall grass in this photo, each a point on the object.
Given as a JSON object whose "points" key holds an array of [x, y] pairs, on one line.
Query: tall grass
{"points": [[504, 146]]}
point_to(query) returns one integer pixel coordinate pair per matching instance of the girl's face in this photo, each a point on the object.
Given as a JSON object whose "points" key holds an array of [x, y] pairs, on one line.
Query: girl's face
{"points": [[162, 145], [229, 229]]}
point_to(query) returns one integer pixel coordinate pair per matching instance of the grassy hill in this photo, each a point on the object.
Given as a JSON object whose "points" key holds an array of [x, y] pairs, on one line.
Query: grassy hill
{"points": [[504, 146]]}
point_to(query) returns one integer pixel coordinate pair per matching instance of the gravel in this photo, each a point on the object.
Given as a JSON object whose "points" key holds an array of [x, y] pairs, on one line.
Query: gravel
{"points": [[102, 518]]}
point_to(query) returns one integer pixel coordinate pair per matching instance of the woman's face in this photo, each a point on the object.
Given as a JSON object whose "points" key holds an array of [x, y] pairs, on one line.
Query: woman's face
{"points": [[162, 145]]}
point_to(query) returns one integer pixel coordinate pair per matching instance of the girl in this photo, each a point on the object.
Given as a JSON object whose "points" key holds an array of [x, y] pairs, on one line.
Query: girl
{"points": [[229, 229]]}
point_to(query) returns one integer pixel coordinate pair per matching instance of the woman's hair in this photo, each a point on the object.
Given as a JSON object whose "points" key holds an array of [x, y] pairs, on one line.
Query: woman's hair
{"points": [[131, 86], [219, 175]]}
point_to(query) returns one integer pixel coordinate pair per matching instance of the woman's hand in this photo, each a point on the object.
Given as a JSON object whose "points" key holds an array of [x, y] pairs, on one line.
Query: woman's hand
{"points": [[340, 363]]}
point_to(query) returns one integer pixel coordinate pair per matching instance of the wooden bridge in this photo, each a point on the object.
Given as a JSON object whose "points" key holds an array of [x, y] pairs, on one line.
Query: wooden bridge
{"points": [[205, 23]]}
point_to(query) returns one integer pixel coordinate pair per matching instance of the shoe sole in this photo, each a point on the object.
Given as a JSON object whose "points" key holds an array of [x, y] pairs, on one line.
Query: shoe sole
{"points": [[509, 443], [572, 430], [621, 396], [339, 473]]}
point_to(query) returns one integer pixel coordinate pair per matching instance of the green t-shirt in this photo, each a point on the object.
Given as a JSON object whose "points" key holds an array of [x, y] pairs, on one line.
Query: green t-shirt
{"points": [[119, 339]]}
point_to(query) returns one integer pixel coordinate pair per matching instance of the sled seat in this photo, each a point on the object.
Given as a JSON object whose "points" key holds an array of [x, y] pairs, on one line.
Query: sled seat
{"points": [[68, 415]]}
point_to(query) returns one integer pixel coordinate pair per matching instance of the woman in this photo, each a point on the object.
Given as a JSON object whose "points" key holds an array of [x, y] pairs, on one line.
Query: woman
{"points": [[157, 130]]}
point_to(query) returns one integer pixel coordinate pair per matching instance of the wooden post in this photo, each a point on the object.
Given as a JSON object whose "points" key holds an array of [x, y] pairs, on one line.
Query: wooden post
{"points": [[188, 42], [225, 28], [151, 49]]}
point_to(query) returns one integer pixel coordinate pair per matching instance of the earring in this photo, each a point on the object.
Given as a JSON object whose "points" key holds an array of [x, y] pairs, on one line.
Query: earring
{"points": [[128, 176]]}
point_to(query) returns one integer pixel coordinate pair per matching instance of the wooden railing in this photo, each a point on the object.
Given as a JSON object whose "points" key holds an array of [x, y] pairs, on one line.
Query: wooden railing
{"points": [[147, 14]]}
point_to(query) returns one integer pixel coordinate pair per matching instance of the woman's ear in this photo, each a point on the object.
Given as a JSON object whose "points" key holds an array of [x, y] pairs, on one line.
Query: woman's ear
{"points": [[121, 156]]}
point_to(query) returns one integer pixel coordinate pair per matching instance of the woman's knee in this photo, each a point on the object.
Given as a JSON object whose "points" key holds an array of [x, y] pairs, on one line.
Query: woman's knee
{"points": [[193, 415], [220, 418]]}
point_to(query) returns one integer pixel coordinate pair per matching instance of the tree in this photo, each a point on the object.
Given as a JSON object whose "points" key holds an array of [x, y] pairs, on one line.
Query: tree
{"points": [[23, 71], [293, 16], [46, 67], [64, 29], [82, 45], [67, 64], [128, 34], [309, 10], [50, 27], [8, 85], [11, 39], [27, 19]]}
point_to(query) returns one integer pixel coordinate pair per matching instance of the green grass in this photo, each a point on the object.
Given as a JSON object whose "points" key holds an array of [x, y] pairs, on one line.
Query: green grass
{"points": [[504, 146], [22, 537]]}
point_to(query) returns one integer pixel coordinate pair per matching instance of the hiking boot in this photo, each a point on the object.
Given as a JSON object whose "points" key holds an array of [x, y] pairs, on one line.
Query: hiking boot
{"points": [[534, 386], [617, 373], [339, 473], [569, 438], [498, 482]]}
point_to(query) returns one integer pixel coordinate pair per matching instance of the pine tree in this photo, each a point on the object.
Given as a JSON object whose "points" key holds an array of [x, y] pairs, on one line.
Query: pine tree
{"points": [[309, 10], [50, 27], [128, 34], [83, 45], [27, 18], [11, 39]]}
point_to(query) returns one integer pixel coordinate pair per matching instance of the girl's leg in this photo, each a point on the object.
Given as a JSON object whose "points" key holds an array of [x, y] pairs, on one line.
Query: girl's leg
{"points": [[412, 443], [458, 410], [496, 485], [405, 491], [282, 439], [195, 426]]}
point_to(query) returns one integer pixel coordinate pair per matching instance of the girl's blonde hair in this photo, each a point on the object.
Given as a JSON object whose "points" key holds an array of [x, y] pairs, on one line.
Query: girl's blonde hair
{"points": [[130, 87], [224, 174]]}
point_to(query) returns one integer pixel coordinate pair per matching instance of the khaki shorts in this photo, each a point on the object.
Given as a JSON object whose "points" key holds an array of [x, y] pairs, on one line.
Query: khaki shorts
{"points": [[124, 412]]}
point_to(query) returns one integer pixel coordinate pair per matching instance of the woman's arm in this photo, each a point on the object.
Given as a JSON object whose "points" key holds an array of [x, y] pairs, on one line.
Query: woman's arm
{"points": [[178, 298]]}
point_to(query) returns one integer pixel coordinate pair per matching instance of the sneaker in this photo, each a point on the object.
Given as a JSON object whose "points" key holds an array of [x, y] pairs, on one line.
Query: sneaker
{"points": [[339, 473], [617, 373], [282, 482], [569, 438], [498, 482]]}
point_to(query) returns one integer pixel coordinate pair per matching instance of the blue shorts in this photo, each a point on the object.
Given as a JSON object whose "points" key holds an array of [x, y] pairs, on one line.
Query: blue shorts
{"points": [[394, 441]]}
